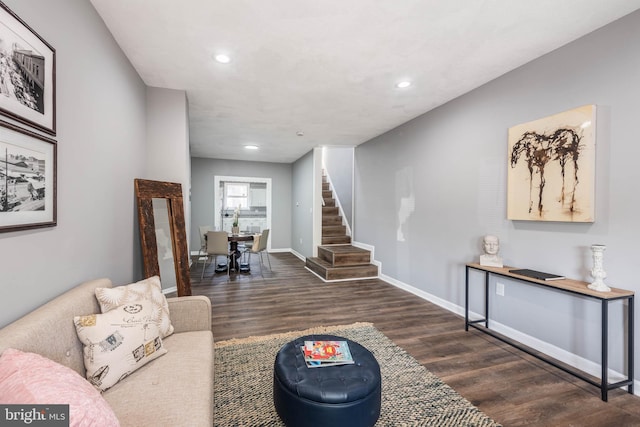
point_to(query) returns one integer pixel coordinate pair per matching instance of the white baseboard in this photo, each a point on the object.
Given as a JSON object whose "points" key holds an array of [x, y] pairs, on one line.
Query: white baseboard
{"points": [[282, 250], [315, 274], [169, 290], [367, 247], [585, 365], [195, 253], [424, 295], [299, 255]]}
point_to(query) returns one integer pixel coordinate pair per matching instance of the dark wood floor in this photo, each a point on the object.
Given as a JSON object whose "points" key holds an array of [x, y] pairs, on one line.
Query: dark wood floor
{"points": [[511, 387]]}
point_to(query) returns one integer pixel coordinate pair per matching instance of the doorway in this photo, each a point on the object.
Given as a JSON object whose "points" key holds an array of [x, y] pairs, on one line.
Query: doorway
{"points": [[250, 197]]}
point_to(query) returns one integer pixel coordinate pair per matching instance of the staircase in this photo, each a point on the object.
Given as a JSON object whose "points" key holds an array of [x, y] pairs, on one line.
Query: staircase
{"points": [[333, 232], [337, 259], [342, 262]]}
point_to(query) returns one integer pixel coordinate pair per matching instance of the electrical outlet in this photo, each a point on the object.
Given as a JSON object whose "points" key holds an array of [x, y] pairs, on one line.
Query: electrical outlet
{"points": [[500, 289]]}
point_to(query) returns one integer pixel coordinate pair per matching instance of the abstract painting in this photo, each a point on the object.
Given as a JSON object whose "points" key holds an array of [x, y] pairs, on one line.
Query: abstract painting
{"points": [[551, 168]]}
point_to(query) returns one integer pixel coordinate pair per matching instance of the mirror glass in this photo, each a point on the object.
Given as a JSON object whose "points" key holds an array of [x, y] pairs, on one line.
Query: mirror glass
{"points": [[164, 243]]}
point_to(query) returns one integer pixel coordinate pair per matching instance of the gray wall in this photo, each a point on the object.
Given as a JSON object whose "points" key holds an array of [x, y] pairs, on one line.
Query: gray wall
{"points": [[203, 172], [302, 204], [101, 149], [427, 191], [339, 165], [168, 157]]}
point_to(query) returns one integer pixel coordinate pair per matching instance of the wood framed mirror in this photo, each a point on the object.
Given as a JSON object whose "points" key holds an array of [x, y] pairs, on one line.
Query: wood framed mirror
{"points": [[163, 235]]}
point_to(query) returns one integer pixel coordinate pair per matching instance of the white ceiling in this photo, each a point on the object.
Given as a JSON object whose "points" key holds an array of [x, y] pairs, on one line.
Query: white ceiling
{"points": [[329, 68]]}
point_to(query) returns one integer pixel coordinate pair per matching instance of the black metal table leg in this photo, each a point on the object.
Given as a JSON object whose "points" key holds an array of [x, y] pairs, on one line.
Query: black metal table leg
{"points": [[630, 332], [604, 384], [466, 300], [486, 299]]}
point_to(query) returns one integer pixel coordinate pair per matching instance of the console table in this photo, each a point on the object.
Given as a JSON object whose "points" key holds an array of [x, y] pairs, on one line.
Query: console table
{"points": [[569, 286]]}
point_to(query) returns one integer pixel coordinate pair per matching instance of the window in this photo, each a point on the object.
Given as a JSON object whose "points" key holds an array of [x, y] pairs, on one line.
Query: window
{"points": [[236, 195]]}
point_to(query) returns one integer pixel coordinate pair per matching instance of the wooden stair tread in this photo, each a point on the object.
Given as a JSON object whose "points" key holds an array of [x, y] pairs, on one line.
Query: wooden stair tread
{"points": [[344, 249], [319, 261], [325, 270], [330, 210], [344, 255], [334, 230], [335, 240], [331, 220]]}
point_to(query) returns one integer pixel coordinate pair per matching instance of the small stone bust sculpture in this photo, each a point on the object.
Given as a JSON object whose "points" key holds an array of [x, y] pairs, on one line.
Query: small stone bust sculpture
{"points": [[491, 245]]}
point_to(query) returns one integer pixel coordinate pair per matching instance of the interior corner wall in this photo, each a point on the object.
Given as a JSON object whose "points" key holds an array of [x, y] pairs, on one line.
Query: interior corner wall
{"points": [[302, 206], [101, 113], [203, 171], [427, 191], [168, 156]]}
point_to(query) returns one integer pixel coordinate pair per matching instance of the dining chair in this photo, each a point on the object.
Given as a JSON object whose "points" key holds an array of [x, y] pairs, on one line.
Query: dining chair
{"points": [[217, 244], [259, 247], [203, 241], [242, 246]]}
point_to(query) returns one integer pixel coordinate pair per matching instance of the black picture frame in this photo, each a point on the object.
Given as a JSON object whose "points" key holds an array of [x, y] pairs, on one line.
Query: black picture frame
{"points": [[28, 179], [27, 74]]}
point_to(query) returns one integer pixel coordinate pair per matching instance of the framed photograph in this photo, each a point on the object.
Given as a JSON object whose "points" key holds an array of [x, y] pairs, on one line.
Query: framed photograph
{"points": [[27, 74], [551, 168], [27, 179]]}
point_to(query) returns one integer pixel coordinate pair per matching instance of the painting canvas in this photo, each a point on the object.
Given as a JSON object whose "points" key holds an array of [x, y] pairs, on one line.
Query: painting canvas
{"points": [[551, 168], [27, 179], [27, 74]]}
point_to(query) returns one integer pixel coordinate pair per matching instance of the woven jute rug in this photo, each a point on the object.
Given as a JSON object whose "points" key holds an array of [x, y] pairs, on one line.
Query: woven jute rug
{"points": [[411, 395]]}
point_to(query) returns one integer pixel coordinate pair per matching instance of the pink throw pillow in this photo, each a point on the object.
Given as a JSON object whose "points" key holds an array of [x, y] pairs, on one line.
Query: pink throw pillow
{"points": [[28, 378]]}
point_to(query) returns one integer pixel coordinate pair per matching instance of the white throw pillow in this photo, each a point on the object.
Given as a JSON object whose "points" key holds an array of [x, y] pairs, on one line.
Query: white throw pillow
{"points": [[148, 289], [118, 342]]}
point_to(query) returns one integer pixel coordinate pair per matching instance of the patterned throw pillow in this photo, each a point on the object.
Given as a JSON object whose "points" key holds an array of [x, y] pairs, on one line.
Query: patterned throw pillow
{"points": [[147, 289], [118, 342], [32, 379]]}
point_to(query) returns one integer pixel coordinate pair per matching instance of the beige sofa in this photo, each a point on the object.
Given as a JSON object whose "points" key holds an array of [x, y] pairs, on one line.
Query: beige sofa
{"points": [[174, 390]]}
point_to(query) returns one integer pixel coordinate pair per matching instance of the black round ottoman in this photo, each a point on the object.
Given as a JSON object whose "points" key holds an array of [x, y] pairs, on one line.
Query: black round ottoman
{"points": [[336, 396]]}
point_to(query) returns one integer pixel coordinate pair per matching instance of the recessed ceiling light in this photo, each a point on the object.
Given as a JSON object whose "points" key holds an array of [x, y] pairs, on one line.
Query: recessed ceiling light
{"points": [[300, 133], [403, 84], [251, 147], [222, 58]]}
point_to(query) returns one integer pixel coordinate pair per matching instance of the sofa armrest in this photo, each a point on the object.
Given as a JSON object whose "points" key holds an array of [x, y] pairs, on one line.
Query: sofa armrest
{"points": [[191, 313]]}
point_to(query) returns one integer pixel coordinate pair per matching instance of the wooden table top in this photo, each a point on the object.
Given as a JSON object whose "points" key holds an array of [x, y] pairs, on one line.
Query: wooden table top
{"points": [[240, 237], [575, 286]]}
